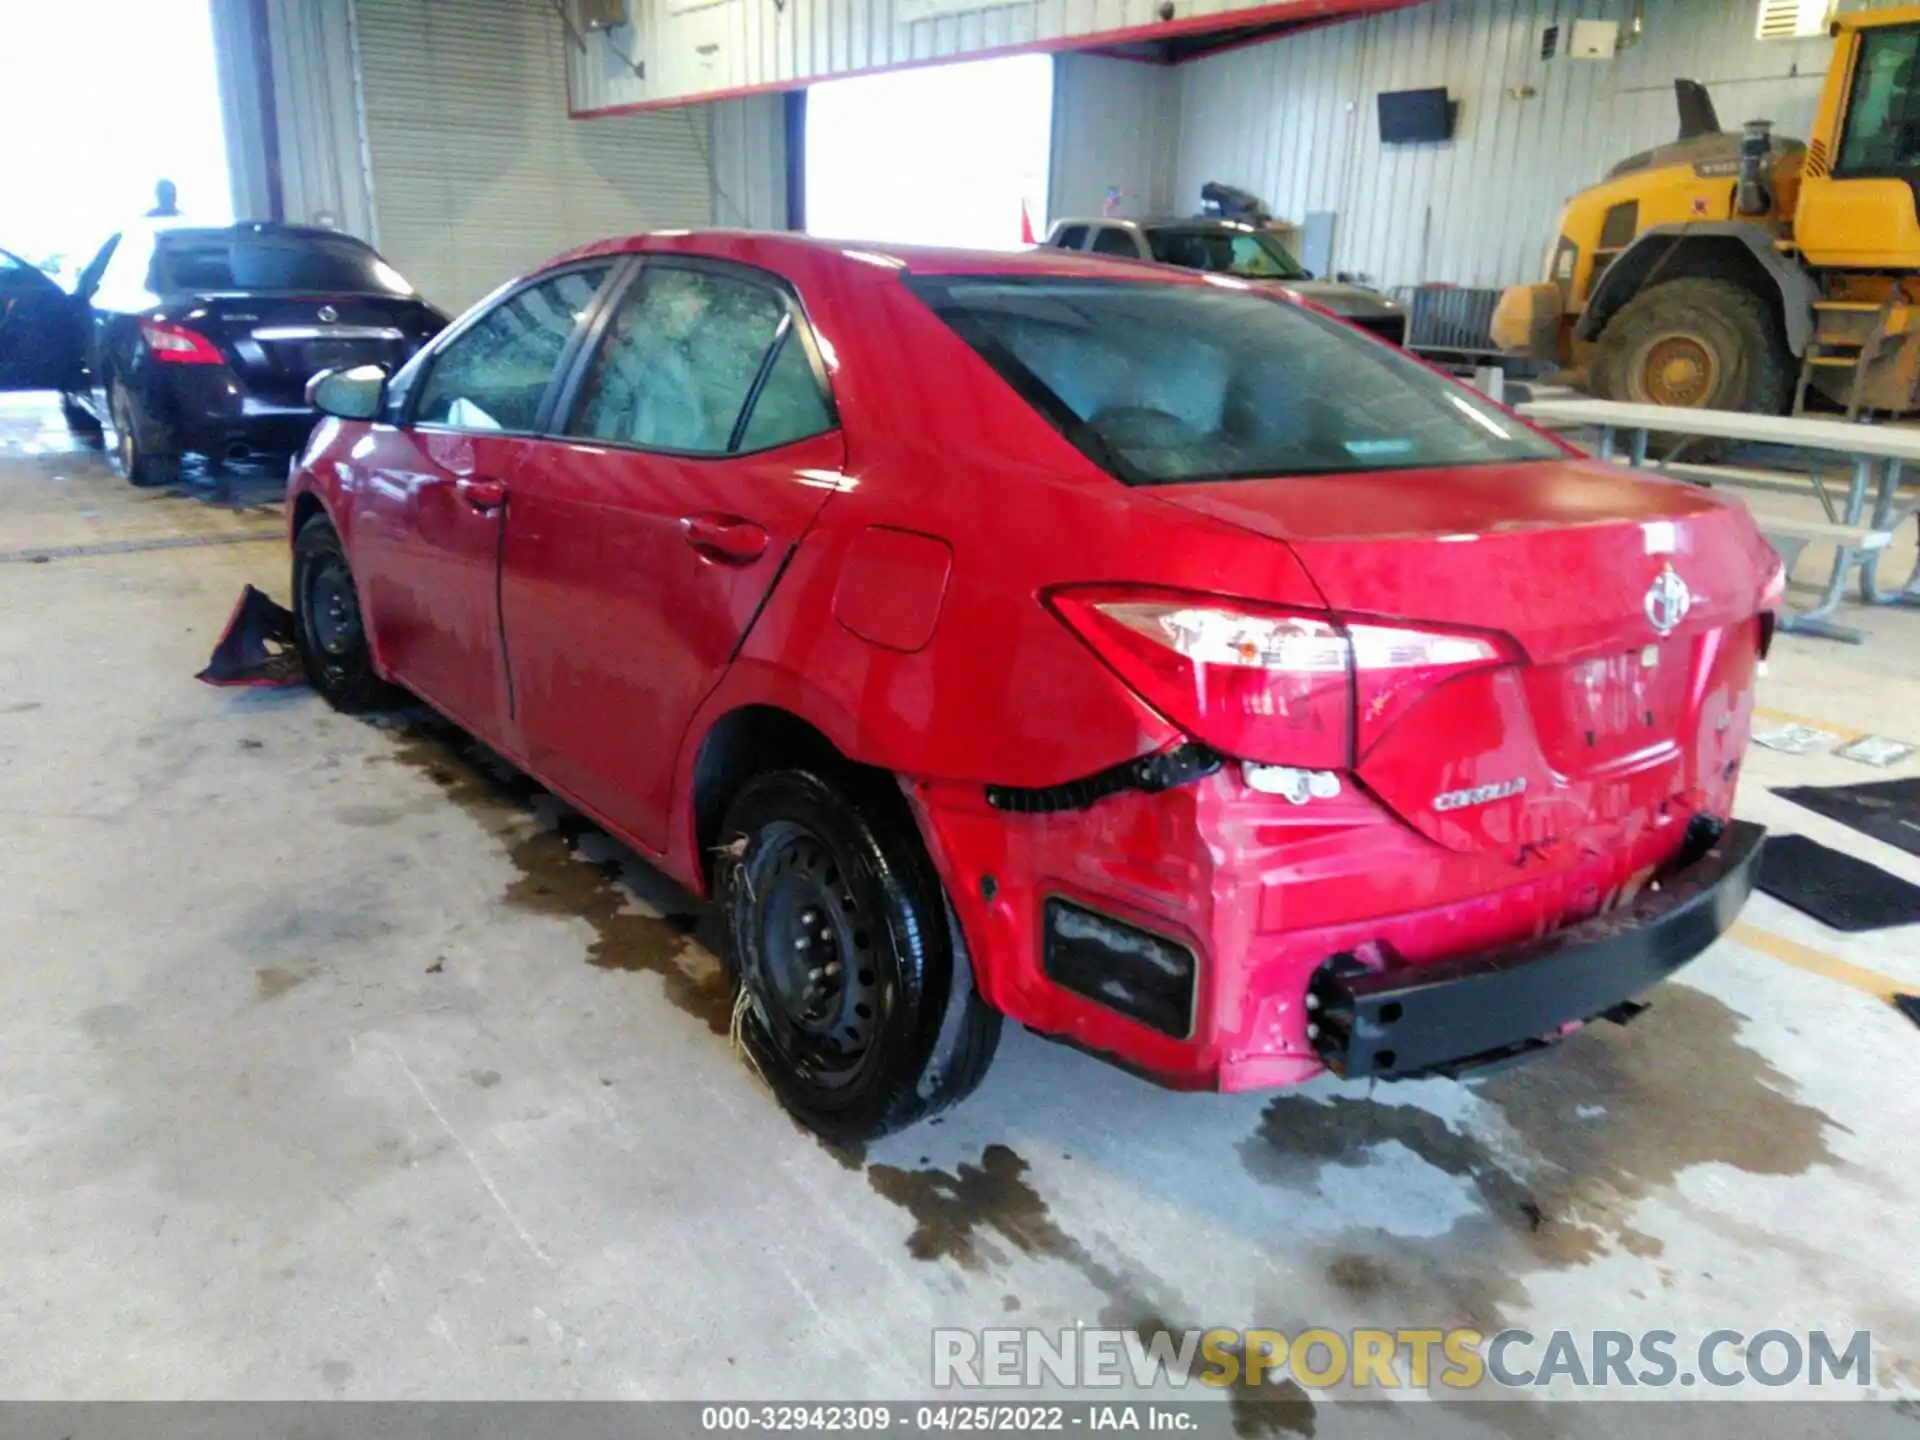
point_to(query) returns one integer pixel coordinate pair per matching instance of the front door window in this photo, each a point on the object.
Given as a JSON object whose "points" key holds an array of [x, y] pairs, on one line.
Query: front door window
{"points": [[1882, 135]]}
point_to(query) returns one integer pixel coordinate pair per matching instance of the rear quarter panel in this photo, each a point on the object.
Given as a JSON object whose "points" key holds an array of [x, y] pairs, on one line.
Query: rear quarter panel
{"points": [[939, 447]]}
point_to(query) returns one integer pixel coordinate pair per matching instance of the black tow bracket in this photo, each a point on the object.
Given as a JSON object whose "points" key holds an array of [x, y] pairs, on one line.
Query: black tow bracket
{"points": [[1162, 770]]}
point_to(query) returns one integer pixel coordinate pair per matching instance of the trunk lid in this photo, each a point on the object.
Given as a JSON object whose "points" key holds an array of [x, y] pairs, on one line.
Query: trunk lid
{"points": [[277, 342], [1628, 602]]}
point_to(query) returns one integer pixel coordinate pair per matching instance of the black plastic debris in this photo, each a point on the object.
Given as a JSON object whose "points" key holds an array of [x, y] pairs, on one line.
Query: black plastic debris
{"points": [[1909, 1006], [257, 647], [1838, 890]]}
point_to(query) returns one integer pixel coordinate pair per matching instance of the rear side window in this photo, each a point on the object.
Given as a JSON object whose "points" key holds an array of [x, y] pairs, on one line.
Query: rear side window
{"points": [[789, 406], [1114, 241], [243, 260], [1161, 384], [493, 375], [685, 356]]}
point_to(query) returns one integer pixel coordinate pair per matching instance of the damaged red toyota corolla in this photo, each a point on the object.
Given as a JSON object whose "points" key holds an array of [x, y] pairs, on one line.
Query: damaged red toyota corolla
{"points": [[1141, 657]]}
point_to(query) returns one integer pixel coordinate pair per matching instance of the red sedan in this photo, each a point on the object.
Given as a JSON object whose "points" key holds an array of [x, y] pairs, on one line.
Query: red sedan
{"points": [[1139, 656]]}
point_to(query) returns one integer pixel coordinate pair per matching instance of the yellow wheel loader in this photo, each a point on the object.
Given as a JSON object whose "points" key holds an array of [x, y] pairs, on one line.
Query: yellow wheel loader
{"points": [[1742, 272]]}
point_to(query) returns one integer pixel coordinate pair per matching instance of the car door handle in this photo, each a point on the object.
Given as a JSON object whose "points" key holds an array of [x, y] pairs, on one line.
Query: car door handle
{"points": [[726, 538], [486, 496]]}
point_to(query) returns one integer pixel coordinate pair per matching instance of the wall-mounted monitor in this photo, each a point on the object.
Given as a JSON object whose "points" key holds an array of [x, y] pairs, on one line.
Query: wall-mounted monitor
{"points": [[1413, 117]]}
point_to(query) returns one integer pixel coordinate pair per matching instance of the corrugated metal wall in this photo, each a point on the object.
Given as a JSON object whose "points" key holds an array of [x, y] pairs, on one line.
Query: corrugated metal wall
{"points": [[749, 149], [1294, 121], [689, 48], [236, 46], [1115, 126], [477, 171], [323, 169]]}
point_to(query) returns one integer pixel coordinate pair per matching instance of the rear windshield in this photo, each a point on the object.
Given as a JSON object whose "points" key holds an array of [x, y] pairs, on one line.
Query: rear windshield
{"points": [[1162, 384], [1254, 254], [222, 261]]}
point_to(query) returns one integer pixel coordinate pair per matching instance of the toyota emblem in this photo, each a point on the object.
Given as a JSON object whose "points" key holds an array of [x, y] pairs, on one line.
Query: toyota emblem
{"points": [[1668, 601], [328, 314]]}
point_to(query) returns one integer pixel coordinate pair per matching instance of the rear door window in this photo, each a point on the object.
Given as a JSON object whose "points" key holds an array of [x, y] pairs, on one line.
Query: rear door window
{"points": [[1162, 384], [700, 363], [1073, 237], [494, 374]]}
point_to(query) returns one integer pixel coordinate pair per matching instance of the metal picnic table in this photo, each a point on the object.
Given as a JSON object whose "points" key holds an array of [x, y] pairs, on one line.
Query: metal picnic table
{"points": [[1869, 514]]}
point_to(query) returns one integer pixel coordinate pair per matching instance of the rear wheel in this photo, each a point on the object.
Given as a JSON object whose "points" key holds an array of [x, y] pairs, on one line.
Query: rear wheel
{"points": [[1695, 344], [326, 622], [141, 465], [857, 999]]}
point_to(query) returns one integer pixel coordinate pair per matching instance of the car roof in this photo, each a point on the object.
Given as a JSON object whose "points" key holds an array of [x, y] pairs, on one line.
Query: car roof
{"points": [[264, 229], [1164, 222], [788, 252]]}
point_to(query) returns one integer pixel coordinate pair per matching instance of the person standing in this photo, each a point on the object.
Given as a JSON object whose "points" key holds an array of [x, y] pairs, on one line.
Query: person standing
{"points": [[167, 201]]}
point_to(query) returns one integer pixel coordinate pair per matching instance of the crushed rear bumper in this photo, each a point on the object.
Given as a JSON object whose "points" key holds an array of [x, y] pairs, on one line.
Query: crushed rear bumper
{"points": [[1503, 1005]]}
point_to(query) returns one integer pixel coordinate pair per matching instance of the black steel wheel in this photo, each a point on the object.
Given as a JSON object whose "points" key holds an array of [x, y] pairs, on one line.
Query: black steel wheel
{"points": [[327, 625], [859, 1006], [814, 960]]}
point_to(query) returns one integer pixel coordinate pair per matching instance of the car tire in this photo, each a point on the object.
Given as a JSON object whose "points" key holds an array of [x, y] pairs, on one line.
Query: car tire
{"points": [[820, 872], [1718, 337], [326, 622], [141, 466]]}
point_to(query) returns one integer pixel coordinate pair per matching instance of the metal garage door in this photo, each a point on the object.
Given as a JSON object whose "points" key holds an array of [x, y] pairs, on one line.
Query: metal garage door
{"points": [[477, 171]]}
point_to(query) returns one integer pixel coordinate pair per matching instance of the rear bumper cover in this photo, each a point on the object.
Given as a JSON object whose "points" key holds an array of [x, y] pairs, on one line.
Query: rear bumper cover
{"points": [[1478, 1010], [208, 409]]}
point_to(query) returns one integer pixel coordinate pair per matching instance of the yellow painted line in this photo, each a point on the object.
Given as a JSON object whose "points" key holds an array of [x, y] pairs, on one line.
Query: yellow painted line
{"points": [[1818, 962], [1784, 717]]}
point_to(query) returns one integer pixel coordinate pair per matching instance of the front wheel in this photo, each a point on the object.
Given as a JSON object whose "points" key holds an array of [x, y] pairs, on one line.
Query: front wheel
{"points": [[855, 997], [326, 622], [1695, 344]]}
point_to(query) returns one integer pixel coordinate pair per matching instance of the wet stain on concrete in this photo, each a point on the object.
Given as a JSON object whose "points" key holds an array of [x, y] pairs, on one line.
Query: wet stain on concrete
{"points": [[20, 707], [979, 1216], [368, 817], [1267, 1406], [1360, 1276], [1613, 1117], [273, 981], [485, 1079], [556, 879]]}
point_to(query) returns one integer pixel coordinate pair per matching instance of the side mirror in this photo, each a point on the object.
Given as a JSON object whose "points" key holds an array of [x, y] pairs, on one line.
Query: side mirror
{"points": [[352, 392]]}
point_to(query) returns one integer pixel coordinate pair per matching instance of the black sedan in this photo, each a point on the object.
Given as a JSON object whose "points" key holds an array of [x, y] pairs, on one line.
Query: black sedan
{"points": [[185, 340]]}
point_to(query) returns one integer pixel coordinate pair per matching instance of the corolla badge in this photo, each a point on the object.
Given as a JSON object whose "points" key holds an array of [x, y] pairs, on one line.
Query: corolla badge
{"points": [[1668, 601], [1479, 795], [328, 314]]}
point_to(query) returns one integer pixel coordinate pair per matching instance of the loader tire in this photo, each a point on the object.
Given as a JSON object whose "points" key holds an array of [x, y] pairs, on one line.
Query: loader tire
{"points": [[1697, 344]]}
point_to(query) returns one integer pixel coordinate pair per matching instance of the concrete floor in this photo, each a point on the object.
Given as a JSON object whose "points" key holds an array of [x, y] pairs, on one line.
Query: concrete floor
{"points": [[334, 1064]]}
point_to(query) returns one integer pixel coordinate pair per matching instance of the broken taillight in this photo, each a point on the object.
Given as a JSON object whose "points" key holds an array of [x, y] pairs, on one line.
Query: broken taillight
{"points": [[1282, 686]]}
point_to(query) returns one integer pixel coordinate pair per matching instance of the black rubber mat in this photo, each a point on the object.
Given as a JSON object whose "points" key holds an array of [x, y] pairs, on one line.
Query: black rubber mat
{"points": [[1887, 810], [1836, 889]]}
